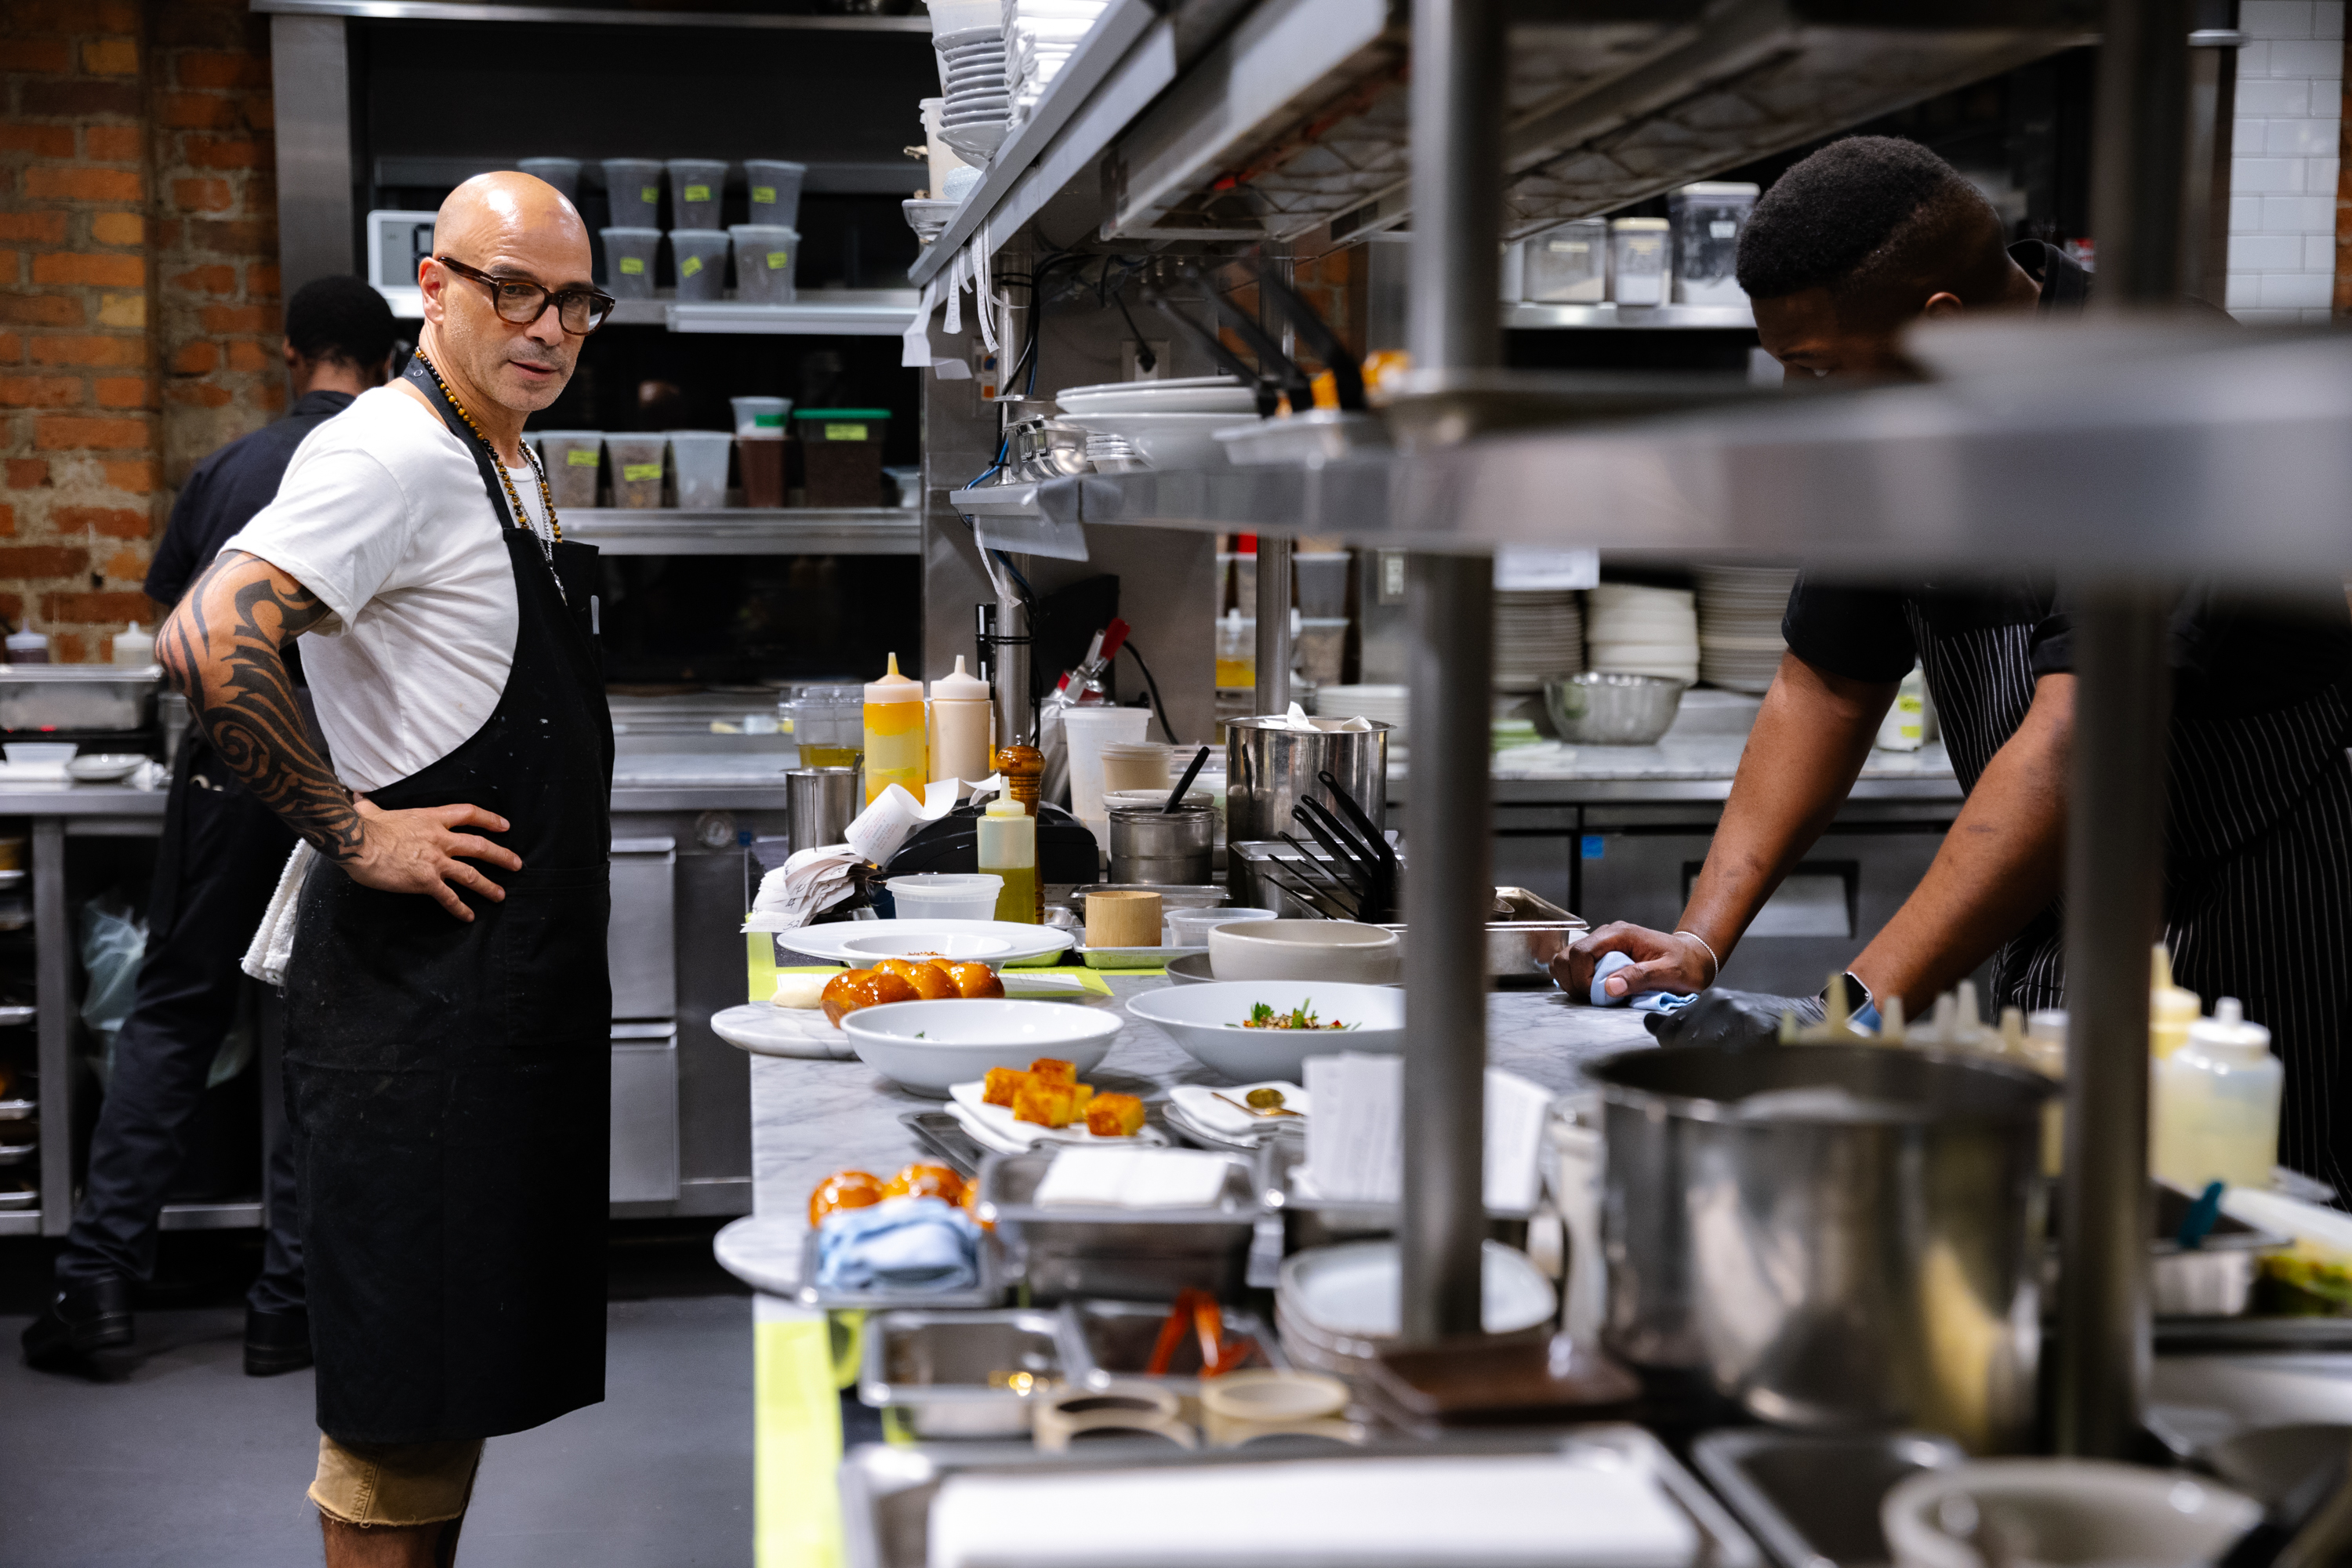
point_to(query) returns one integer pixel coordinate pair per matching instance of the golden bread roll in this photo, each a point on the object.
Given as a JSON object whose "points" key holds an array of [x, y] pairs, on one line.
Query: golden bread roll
{"points": [[920, 1180], [930, 984], [845, 994], [972, 980], [844, 1190]]}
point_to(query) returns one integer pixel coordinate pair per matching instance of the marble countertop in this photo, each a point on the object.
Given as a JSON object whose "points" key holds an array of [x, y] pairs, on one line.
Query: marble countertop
{"points": [[811, 1118], [1687, 757]]}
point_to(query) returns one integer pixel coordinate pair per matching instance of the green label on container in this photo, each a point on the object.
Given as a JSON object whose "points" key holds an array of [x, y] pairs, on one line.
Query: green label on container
{"points": [[779, 259], [690, 267], [633, 473], [845, 432], [633, 265], [580, 458], [763, 195], [698, 192], [650, 194]]}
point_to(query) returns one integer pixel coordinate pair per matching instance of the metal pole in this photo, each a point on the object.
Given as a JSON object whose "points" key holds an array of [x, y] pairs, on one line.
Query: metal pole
{"points": [[1449, 604], [1016, 714], [1455, 312], [1273, 624], [2139, 160]]}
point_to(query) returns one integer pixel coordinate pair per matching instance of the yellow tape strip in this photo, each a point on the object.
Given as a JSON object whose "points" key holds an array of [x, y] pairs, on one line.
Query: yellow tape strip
{"points": [[760, 947], [796, 1435]]}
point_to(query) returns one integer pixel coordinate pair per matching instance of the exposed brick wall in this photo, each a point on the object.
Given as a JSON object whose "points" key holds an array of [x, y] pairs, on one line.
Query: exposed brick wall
{"points": [[138, 288]]}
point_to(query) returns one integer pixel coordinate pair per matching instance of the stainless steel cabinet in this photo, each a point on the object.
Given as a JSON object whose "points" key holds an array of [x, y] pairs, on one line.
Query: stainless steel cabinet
{"points": [[641, 939], [644, 1112]]}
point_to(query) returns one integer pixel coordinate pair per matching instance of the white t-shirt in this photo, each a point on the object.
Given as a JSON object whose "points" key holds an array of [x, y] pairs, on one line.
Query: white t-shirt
{"points": [[382, 515]]}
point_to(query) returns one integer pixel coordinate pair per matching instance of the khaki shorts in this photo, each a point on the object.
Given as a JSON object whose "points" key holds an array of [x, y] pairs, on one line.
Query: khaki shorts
{"points": [[395, 1483]]}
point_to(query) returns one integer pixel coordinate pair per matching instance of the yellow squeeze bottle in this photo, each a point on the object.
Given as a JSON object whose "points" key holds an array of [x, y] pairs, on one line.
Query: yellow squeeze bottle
{"points": [[2170, 1008], [895, 752]]}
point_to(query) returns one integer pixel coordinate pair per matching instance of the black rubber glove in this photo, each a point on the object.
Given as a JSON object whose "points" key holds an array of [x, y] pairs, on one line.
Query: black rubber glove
{"points": [[1734, 1019]]}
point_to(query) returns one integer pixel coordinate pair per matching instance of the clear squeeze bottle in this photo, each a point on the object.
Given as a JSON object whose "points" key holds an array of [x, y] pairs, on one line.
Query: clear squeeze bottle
{"points": [[2217, 1104], [1007, 837]]}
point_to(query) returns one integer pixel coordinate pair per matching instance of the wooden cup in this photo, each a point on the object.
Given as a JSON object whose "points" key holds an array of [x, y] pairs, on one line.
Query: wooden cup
{"points": [[1123, 920]]}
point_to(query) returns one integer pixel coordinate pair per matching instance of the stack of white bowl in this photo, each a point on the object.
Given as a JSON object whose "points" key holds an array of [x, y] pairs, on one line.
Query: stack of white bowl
{"points": [[1637, 630], [1539, 637], [1335, 1308], [1739, 611], [979, 103], [1040, 36], [1166, 424], [1380, 704]]}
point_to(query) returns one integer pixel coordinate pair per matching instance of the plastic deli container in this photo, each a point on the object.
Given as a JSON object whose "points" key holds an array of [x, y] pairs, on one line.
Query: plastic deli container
{"points": [[629, 261], [633, 186], [943, 896], [1191, 928], [563, 174], [749, 409], [1569, 265], [1637, 260], [695, 184], [841, 453], [573, 458], [636, 471], [700, 258], [762, 446], [1706, 219], [765, 255], [1322, 579], [775, 191], [1320, 648], [699, 459]]}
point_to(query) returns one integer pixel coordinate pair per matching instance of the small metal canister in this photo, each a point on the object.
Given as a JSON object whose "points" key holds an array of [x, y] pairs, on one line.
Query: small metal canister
{"points": [[1151, 845], [819, 803]]}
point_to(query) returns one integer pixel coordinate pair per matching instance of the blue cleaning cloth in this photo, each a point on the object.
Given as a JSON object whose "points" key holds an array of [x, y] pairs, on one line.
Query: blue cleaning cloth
{"points": [[900, 1244], [1648, 1002]]}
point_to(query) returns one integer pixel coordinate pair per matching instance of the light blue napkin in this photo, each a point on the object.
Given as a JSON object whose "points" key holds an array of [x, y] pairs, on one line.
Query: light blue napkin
{"points": [[1648, 1002], [900, 1244]]}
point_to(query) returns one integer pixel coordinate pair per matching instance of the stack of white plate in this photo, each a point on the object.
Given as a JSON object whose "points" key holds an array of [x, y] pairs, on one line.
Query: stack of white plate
{"points": [[1380, 704], [1169, 424], [1335, 1308], [1739, 611], [1040, 36], [1538, 636], [978, 101], [1634, 630]]}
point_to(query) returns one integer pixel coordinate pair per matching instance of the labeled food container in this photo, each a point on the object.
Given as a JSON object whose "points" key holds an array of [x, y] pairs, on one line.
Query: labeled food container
{"points": [[841, 455], [563, 174], [775, 190], [1322, 579], [699, 459], [573, 458], [76, 696], [1637, 260], [764, 258], [964, 1375], [1128, 1255], [700, 258], [1148, 844], [1569, 264], [759, 437], [633, 186], [636, 471], [629, 261], [1320, 649], [747, 411], [695, 184], [1706, 219]]}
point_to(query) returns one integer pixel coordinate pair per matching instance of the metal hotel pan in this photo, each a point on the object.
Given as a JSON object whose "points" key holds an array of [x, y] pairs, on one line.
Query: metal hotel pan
{"points": [[1134, 1254]]}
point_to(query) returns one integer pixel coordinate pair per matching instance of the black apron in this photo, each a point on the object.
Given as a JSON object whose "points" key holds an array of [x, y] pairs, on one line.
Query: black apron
{"points": [[449, 1083]]}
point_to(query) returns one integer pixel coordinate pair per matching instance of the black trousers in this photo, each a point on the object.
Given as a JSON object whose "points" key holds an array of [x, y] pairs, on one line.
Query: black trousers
{"points": [[218, 863]]}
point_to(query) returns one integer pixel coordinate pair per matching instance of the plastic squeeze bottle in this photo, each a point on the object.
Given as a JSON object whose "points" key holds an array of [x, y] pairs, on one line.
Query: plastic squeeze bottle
{"points": [[961, 715], [894, 734], [2170, 1008], [1007, 837], [133, 648], [2217, 1104]]}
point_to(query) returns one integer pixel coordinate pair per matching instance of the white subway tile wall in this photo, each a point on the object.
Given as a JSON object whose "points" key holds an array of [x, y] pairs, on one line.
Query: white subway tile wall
{"points": [[2283, 160]]}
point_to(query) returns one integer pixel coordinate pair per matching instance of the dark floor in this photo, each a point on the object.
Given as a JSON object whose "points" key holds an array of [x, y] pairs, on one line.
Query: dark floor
{"points": [[179, 1460]]}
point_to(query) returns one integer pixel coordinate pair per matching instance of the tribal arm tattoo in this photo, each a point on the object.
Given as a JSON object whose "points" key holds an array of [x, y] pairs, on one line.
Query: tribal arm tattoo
{"points": [[223, 648]]}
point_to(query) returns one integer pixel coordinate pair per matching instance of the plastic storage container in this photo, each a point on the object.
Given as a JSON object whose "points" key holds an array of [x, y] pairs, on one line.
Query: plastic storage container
{"points": [[961, 713], [775, 185], [765, 255], [1237, 652], [1006, 838], [1322, 579], [1320, 649], [699, 459], [563, 174], [1135, 765], [633, 186], [629, 261], [1569, 265], [700, 258], [841, 453], [2217, 1104], [571, 458], [1706, 219], [828, 724], [943, 896], [1637, 260], [1191, 928], [1086, 732], [695, 184], [636, 471], [894, 735], [749, 409], [763, 461]]}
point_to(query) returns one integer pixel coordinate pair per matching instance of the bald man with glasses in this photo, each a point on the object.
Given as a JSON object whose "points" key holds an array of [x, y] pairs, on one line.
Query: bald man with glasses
{"points": [[447, 1074]]}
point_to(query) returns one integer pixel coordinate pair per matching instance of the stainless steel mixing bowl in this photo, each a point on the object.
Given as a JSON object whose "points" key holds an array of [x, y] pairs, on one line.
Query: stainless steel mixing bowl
{"points": [[1599, 708]]}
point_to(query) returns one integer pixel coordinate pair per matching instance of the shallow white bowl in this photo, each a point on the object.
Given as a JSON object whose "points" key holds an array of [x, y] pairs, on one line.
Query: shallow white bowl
{"points": [[1188, 394], [1166, 440], [927, 1048], [2087, 1512], [1205, 1020], [1306, 950]]}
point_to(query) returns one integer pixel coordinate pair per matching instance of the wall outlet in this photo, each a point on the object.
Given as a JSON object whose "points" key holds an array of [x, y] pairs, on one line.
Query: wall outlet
{"points": [[1132, 354]]}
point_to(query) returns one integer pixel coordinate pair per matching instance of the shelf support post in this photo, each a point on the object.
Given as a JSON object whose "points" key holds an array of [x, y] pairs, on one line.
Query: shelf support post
{"points": [[1273, 648]]}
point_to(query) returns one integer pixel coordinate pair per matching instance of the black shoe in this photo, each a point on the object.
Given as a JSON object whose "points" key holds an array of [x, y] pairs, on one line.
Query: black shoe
{"points": [[92, 1315], [275, 1341]]}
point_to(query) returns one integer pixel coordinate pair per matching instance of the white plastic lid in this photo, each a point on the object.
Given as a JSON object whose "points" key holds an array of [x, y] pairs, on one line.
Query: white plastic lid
{"points": [[893, 686], [2227, 1030], [1640, 225], [1719, 188], [959, 687]]}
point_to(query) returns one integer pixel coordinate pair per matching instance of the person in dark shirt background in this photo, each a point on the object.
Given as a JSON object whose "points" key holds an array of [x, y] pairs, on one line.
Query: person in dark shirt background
{"points": [[215, 871]]}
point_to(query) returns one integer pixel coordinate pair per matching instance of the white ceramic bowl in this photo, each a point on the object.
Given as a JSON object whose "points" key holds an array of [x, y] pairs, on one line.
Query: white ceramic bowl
{"points": [[1306, 950], [927, 1048], [1206, 1021], [2075, 1512]]}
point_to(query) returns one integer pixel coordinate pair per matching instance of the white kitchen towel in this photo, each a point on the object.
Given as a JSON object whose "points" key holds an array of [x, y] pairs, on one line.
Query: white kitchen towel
{"points": [[1133, 1179], [273, 941]]}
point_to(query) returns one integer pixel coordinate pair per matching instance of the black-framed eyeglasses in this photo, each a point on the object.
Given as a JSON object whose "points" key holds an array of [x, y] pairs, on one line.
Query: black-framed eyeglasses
{"points": [[579, 311]]}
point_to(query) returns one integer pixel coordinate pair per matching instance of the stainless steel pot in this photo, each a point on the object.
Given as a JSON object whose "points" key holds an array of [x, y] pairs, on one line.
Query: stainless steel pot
{"points": [[1270, 768], [1842, 1235], [1148, 845]]}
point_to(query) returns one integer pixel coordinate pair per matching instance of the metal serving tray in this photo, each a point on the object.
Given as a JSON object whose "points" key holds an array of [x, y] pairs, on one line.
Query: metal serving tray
{"points": [[1812, 1501], [76, 696], [1114, 1340], [1126, 1254], [886, 1492], [957, 1375], [989, 1293]]}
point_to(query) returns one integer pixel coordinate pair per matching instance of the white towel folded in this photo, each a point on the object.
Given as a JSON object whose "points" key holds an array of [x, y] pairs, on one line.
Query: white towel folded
{"points": [[273, 942]]}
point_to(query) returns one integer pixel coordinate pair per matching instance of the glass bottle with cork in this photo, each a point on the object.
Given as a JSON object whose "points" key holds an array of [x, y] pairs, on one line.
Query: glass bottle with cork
{"points": [[895, 753]]}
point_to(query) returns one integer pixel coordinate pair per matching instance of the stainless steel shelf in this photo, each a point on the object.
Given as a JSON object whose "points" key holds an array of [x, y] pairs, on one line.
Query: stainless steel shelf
{"points": [[212, 1216], [20, 1222], [829, 313], [439, 11], [1527, 315], [739, 530]]}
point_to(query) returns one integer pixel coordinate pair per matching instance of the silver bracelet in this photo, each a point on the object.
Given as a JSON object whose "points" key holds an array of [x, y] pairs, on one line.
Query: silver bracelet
{"points": [[1710, 954]]}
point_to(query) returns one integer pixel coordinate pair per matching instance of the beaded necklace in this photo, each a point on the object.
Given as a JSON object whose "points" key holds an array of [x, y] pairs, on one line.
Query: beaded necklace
{"points": [[555, 525]]}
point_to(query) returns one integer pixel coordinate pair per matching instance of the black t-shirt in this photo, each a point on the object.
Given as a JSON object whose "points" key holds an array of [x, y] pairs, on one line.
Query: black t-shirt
{"points": [[226, 489]]}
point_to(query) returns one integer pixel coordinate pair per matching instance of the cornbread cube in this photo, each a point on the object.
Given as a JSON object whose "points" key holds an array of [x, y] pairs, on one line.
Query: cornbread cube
{"points": [[1051, 1104], [1114, 1115], [1053, 1069], [1002, 1084]]}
